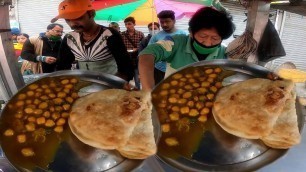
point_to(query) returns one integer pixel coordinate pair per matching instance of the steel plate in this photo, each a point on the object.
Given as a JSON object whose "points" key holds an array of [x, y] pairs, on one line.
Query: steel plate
{"points": [[221, 151], [72, 155]]}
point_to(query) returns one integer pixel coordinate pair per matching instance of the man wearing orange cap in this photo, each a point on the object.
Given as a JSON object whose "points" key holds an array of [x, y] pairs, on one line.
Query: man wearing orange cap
{"points": [[95, 47]]}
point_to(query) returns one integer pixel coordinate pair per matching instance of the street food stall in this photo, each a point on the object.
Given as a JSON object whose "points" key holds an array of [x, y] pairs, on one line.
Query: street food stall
{"points": [[44, 115]]}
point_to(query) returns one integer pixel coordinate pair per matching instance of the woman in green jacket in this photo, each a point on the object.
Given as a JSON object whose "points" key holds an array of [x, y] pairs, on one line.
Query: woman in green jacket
{"points": [[208, 28]]}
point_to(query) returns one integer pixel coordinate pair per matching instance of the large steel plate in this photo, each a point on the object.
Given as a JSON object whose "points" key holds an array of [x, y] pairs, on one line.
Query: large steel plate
{"points": [[71, 154], [221, 151]]}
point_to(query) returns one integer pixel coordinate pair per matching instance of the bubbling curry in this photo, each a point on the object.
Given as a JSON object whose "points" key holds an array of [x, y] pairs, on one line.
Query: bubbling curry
{"points": [[36, 118], [183, 103]]}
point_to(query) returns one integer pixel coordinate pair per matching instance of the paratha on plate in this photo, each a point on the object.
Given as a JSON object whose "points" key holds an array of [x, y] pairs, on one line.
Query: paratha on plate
{"points": [[106, 119], [285, 132], [249, 109]]}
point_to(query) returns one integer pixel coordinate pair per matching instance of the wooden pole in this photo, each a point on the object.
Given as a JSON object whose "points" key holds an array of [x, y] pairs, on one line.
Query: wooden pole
{"points": [[11, 79]]}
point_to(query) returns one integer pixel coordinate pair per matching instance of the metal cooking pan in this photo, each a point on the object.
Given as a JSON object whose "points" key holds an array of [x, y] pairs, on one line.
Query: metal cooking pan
{"points": [[70, 154]]}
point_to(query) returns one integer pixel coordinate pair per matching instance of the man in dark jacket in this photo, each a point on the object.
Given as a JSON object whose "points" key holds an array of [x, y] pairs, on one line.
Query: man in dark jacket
{"points": [[153, 29], [94, 47], [44, 48]]}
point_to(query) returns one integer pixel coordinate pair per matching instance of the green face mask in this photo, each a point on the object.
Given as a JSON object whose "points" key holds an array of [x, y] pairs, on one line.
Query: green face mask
{"points": [[55, 38], [202, 49]]}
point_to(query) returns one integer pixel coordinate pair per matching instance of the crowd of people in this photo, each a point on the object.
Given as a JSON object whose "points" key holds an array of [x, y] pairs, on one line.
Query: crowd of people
{"points": [[128, 54]]}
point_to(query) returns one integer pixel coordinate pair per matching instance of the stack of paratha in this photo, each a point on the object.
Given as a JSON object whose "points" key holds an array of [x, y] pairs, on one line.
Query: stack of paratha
{"points": [[115, 119], [259, 109]]}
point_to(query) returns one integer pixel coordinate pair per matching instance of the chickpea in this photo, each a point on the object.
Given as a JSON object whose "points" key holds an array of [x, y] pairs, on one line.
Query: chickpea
{"points": [[66, 106], [196, 74], [38, 94], [205, 111], [30, 127], [162, 93], [33, 86], [60, 121], [218, 84], [188, 87], [202, 118], [210, 96], [44, 86], [191, 80], [185, 110], [217, 70], [41, 120], [69, 86], [209, 71], [9, 132], [69, 99], [46, 114], [48, 91], [18, 115], [193, 112], [58, 89], [165, 128], [213, 75], [205, 84], [65, 81], [74, 95], [31, 119], [175, 109], [58, 101], [52, 84], [180, 91], [49, 123], [165, 86], [199, 105], [177, 76], [209, 104], [177, 96], [181, 84], [28, 110], [172, 100], [172, 91], [55, 115], [196, 85], [37, 101], [187, 95], [202, 90], [61, 94], [66, 90], [210, 80], [38, 112], [27, 152], [202, 79], [21, 96], [171, 141], [174, 116], [28, 101], [188, 75], [52, 95], [162, 105], [174, 83], [190, 104], [44, 97], [21, 138], [65, 115], [213, 89], [31, 106], [30, 93], [58, 129], [183, 79], [52, 109], [19, 103], [43, 105], [182, 101], [39, 90], [73, 81]]}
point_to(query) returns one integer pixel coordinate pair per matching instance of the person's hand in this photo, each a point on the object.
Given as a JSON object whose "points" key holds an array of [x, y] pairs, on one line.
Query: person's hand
{"points": [[129, 87], [50, 60]]}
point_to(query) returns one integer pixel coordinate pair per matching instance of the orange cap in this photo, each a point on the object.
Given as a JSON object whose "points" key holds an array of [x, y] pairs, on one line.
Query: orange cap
{"points": [[72, 9]]}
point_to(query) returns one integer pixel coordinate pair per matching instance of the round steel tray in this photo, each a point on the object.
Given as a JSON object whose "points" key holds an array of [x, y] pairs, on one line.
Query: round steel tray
{"points": [[221, 151], [73, 155]]}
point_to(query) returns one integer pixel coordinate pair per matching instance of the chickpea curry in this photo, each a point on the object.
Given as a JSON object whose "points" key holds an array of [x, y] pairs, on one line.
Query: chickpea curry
{"points": [[183, 103], [34, 121]]}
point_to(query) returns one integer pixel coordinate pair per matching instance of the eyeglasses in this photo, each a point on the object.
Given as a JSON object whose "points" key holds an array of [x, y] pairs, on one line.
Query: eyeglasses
{"points": [[57, 31]]}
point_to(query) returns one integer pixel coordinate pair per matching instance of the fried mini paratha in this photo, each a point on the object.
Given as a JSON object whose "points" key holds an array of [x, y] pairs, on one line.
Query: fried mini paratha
{"points": [[249, 109], [106, 119], [285, 132]]}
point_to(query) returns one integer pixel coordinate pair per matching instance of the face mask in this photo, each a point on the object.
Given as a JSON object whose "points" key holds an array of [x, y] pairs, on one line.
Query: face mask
{"points": [[55, 38], [202, 49], [153, 32]]}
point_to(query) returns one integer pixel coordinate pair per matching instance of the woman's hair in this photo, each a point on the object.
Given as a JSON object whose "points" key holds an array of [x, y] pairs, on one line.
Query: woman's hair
{"points": [[208, 17], [23, 34]]}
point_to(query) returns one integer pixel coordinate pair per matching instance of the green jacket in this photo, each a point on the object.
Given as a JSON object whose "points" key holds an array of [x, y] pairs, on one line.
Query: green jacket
{"points": [[177, 52]]}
